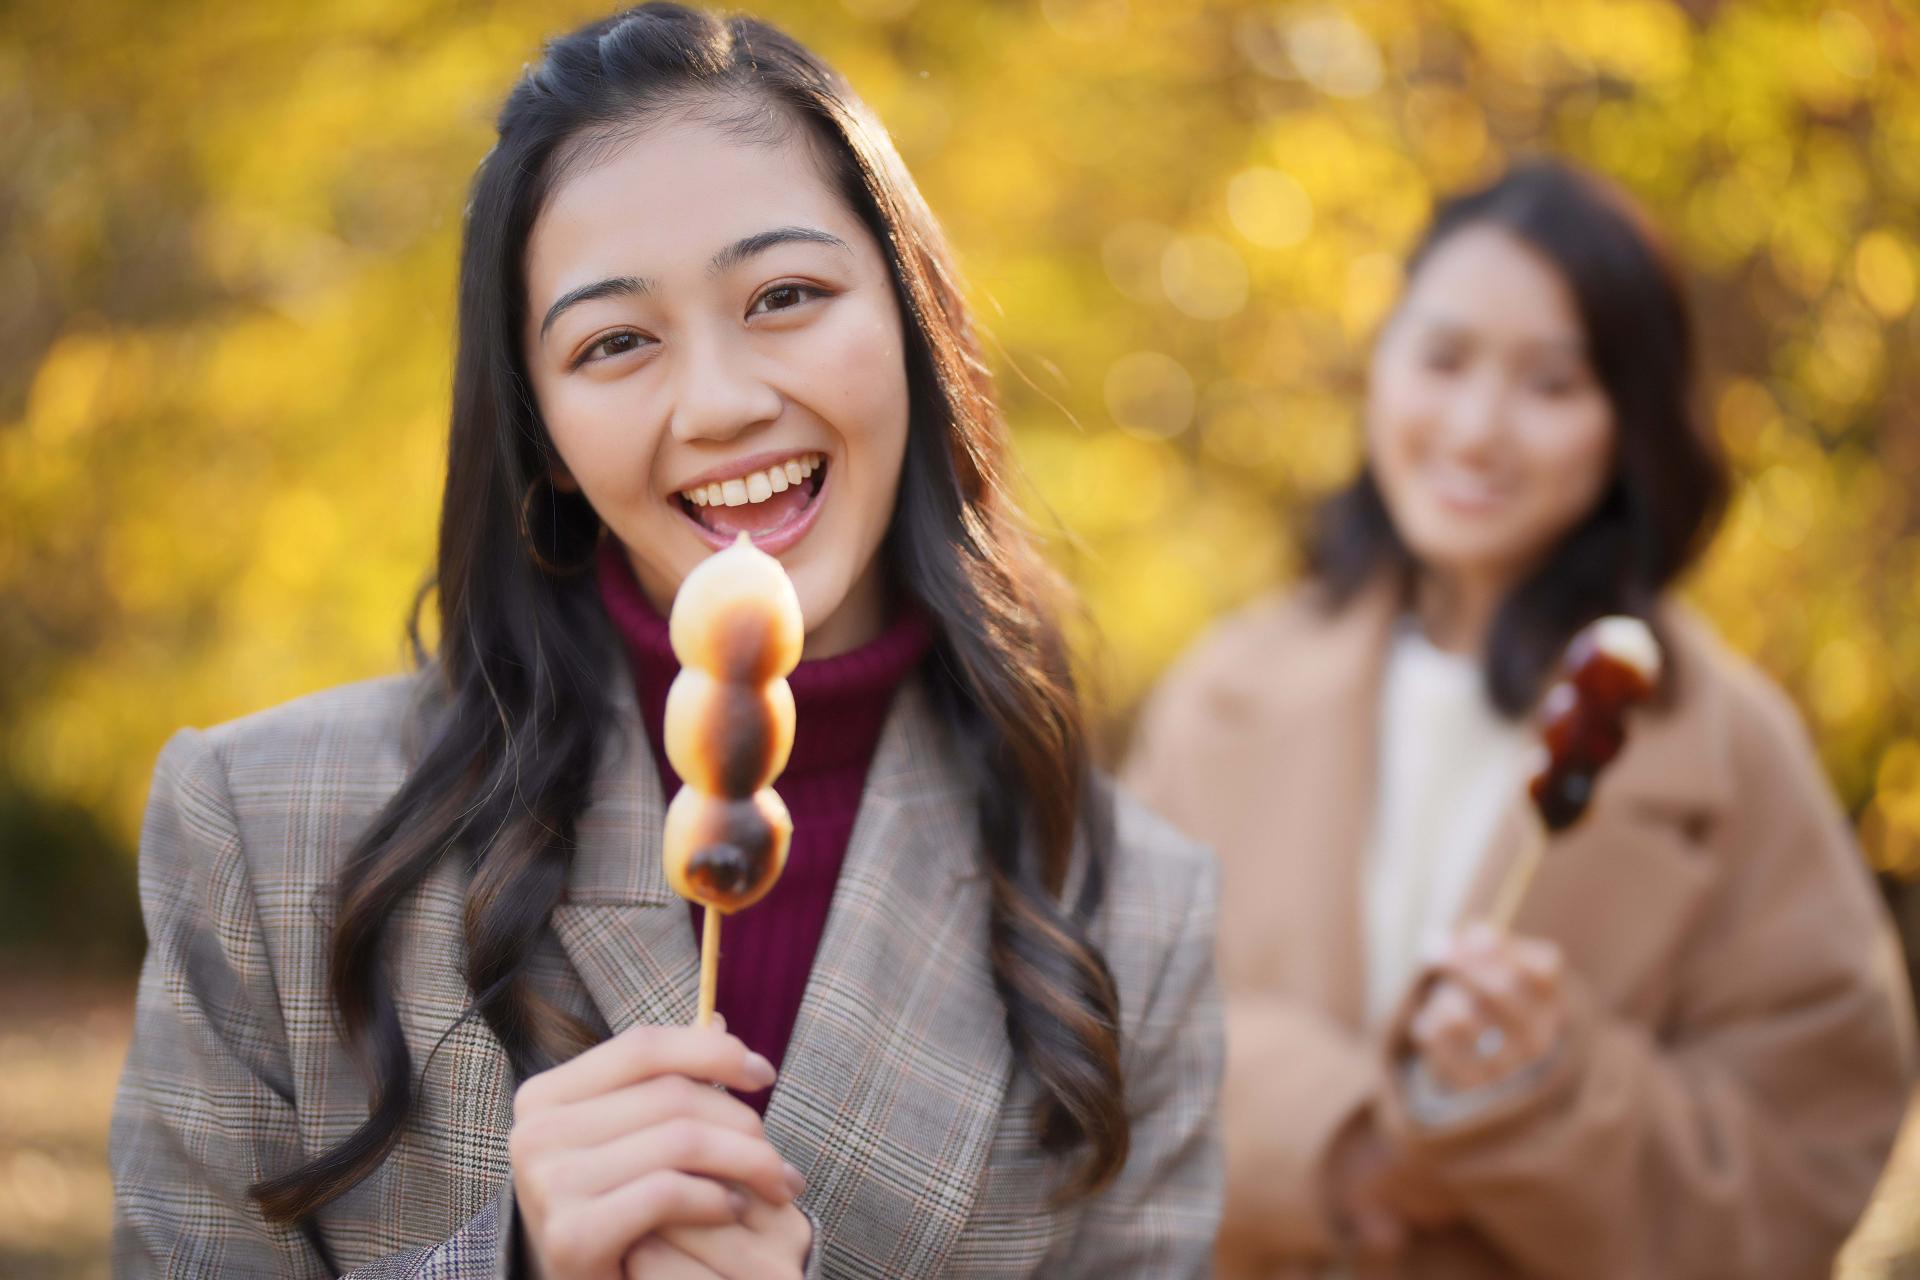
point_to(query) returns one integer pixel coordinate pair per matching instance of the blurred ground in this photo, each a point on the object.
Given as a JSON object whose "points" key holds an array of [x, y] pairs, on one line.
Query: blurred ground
{"points": [[61, 1045], [60, 1054]]}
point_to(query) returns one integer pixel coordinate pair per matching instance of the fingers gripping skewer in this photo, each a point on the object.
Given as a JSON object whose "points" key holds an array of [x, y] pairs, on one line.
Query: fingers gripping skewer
{"points": [[1609, 667], [737, 630]]}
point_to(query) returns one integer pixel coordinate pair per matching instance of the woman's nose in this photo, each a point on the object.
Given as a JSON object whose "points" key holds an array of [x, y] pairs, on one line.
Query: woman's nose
{"points": [[1475, 413], [717, 392]]}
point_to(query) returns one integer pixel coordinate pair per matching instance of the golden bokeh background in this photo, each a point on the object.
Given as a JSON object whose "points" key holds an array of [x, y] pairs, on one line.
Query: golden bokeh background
{"points": [[227, 246]]}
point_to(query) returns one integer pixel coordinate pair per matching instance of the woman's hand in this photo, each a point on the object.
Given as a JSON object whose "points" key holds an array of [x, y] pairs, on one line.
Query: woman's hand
{"points": [[629, 1139], [1371, 1229], [771, 1241], [1496, 1009], [1378, 1197]]}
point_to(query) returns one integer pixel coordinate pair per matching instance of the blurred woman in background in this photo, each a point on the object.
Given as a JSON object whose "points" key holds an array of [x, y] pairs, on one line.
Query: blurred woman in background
{"points": [[1690, 1056]]}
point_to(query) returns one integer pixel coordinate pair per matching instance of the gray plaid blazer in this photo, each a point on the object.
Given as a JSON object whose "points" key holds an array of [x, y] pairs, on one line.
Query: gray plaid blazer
{"points": [[897, 1099]]}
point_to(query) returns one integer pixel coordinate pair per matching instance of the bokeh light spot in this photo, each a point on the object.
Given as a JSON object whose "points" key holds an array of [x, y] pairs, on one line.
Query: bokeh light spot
{"points": [[1883, 272], [1333, 54], [1204, 277], [1131, 253], [1269, 207], [1150, 394]]}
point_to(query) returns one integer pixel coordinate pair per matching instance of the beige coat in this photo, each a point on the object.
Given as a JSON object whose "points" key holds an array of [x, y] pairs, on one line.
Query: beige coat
{"points": [[897, 1099], [1740, 1052]]}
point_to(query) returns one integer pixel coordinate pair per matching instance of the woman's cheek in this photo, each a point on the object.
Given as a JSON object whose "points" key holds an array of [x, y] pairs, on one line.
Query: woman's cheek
{"points": [[1585, 458], [1401, 405], [862, 377], [585, 428]]}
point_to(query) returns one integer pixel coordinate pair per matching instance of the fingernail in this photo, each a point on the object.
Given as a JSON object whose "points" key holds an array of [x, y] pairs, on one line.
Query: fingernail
{"points": [[758, 1068], [738, 1203], [796, 1181], [1479, 935], [719, 1020]]}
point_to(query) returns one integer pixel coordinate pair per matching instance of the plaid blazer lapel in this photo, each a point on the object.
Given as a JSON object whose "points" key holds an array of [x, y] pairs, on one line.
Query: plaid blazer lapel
{"points": [[625, 932], [898, 1069]]}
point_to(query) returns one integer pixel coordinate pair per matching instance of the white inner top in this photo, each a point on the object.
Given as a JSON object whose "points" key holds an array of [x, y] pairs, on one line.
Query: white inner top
{"points": [[1449, 766]]}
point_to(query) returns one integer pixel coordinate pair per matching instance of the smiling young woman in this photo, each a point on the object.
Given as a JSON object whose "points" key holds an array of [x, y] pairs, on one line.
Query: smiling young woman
{"points": [[416, 986], [1690, 1056]]}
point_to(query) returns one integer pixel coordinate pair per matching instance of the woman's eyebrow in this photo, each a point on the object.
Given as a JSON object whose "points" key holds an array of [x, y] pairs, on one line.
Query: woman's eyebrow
{"points": [[615, 287], [1449, 326], [731, 256], [740, 250]]}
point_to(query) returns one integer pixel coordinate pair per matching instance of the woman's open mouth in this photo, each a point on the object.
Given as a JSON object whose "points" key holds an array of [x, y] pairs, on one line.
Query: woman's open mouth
{"points": [[775, 503]]}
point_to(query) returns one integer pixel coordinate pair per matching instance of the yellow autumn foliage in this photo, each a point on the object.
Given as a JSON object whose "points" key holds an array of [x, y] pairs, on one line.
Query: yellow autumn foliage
{"points": [[230, 248]]}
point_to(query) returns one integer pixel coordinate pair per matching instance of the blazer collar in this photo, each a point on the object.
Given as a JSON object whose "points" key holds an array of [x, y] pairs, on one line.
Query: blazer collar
{"points": [[1318, 703], [620, 925], [898, 1068]]}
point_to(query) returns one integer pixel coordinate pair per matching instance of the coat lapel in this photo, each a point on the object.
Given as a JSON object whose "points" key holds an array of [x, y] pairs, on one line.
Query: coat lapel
{"points": [[626, 933], [899, 1065], [1319, 715]]}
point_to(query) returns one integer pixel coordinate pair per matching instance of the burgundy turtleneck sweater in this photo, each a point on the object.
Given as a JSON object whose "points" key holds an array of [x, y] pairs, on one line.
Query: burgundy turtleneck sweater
{"points": [[841, 703]]}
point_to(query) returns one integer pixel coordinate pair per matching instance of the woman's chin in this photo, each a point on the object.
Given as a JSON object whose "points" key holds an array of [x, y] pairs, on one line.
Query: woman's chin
{"points": [[841, 612], [1473, 553]]}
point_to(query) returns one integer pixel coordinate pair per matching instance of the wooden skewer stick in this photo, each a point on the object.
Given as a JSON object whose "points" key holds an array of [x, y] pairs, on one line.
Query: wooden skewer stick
{"points": [[709, 966], [1519, 874]]}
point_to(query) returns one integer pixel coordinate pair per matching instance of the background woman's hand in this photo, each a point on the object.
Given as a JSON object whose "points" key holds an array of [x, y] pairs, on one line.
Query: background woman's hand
{"points": [[1495, 1009], [1378, 1197], [629, 1139], [1372, 1231]]}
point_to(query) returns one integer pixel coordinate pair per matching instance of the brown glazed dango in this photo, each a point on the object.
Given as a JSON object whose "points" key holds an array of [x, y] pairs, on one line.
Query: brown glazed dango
{"points": [[1610, 667], [737, 630], [726, 853]]}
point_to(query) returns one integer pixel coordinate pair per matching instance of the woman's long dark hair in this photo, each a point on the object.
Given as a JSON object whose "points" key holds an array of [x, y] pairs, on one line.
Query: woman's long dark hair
{"points": [[1669, 483], [524, 657]]}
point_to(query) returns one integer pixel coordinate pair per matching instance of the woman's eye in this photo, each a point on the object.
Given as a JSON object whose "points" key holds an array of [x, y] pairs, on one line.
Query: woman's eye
{"points": [[784, 297], [613, 344]]}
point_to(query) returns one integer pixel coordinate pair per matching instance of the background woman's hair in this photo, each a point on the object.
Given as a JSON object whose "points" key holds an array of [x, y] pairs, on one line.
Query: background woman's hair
{"points": [[525, 656], [1669, 484]]}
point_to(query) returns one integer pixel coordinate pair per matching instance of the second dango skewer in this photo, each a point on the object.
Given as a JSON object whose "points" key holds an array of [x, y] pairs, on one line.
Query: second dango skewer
{"points": [[1610, 666]]}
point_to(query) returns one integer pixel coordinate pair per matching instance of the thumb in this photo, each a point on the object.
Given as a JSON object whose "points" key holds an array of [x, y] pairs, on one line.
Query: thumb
{"points": [[1378, 1230]]}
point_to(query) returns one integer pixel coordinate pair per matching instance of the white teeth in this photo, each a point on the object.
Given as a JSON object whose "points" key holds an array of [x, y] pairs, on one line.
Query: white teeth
{"points": [[1464, 487], [757, 486]]}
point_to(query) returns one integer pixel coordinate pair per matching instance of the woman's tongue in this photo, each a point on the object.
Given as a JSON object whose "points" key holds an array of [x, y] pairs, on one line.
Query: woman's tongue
{"points": [[756, 517]]}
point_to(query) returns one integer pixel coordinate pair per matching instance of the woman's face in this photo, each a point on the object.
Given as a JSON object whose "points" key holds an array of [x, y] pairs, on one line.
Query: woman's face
{"points": [[1487, 431], [715, 347]]}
